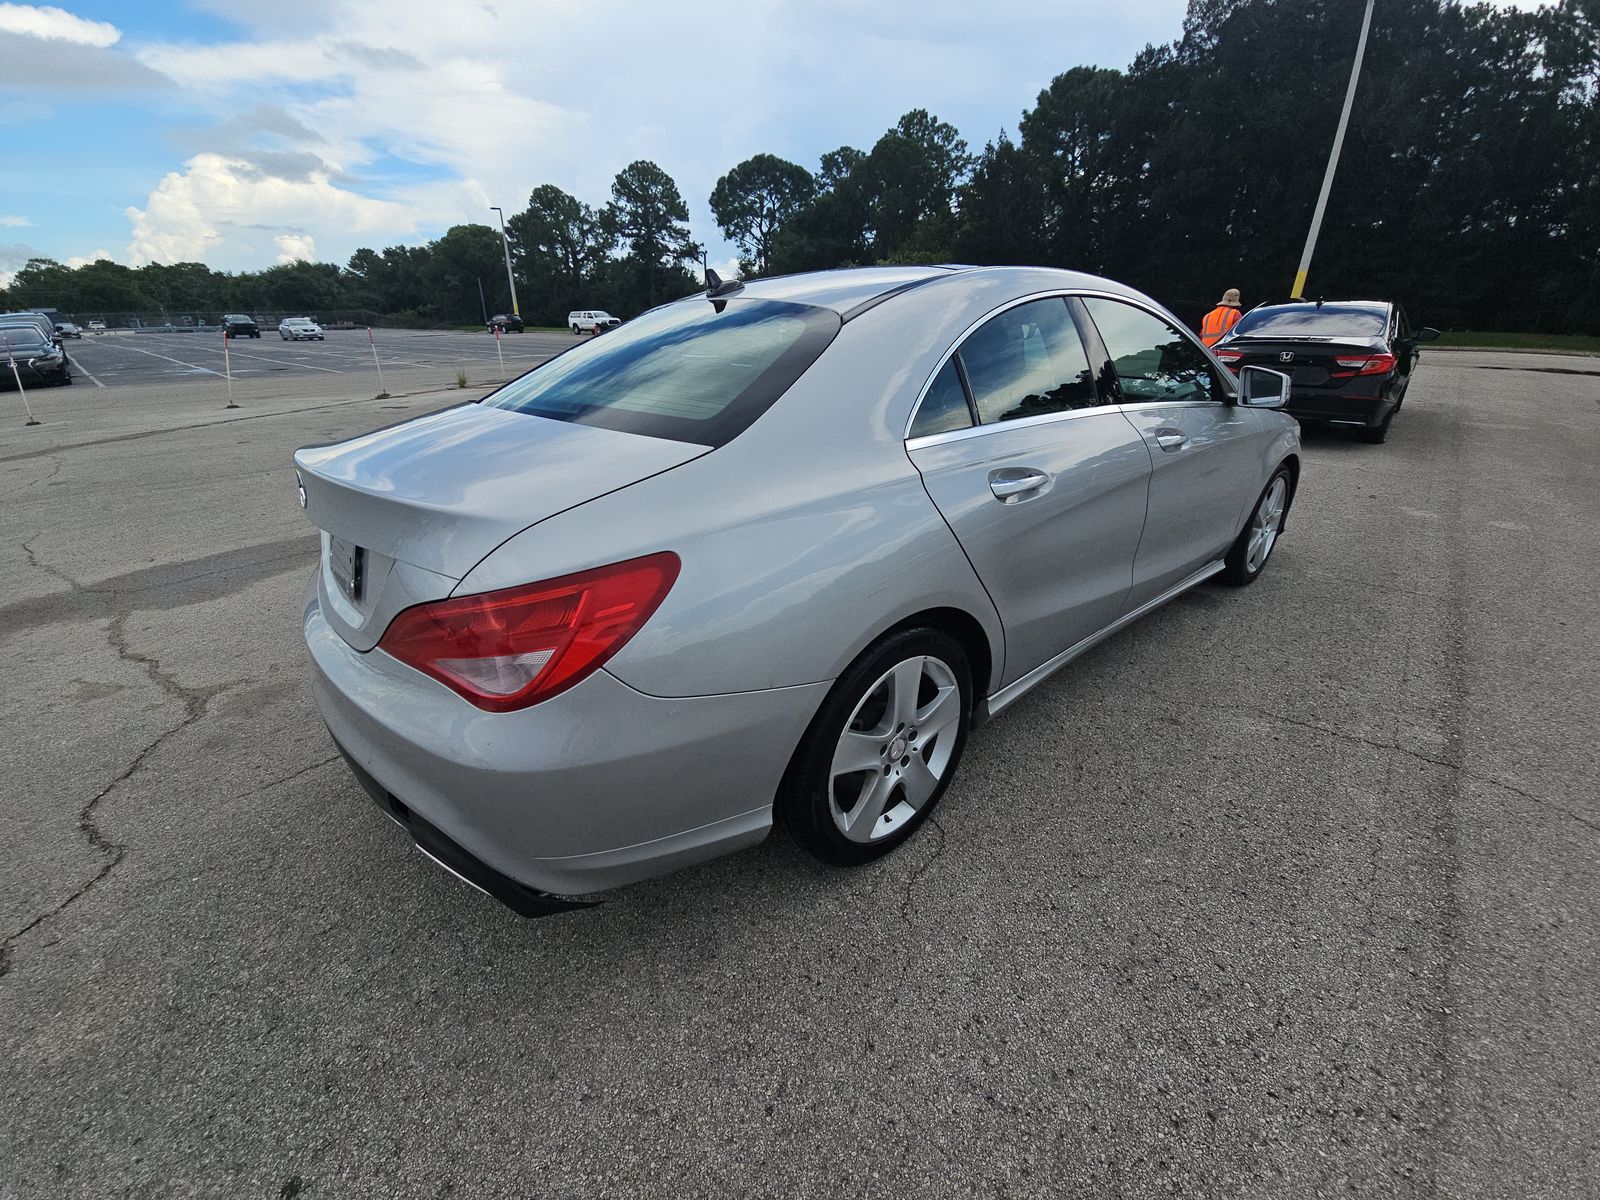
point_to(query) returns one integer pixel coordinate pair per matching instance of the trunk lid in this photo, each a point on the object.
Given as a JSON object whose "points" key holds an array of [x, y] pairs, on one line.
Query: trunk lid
{"points": [[1309, 362], [406, 511]]}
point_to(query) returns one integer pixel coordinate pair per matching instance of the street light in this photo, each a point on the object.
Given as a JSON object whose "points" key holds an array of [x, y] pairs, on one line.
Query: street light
{"points": [[506, 246], [1296, 292]]}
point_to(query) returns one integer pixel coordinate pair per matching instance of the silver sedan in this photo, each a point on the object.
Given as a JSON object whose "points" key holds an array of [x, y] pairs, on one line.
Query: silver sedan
{"points": [[766, 554]]}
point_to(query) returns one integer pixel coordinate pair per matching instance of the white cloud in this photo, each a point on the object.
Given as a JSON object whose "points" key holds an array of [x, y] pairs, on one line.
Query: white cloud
{"points": [[83, 260], [7, 222], [56, 24], [13, 257], [388, 123], [226, 212], [295, 246]]}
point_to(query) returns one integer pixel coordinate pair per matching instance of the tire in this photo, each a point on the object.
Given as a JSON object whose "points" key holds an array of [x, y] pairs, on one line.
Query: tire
{"points": [[867, 718], [1248, 556], [66, 379], [576, 331], [1377, 436]]}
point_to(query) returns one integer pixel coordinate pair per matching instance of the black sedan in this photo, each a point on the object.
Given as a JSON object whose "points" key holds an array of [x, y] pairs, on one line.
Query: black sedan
{"points": [[1350, 360], [27, 354], [505, 323], [239, 325]]}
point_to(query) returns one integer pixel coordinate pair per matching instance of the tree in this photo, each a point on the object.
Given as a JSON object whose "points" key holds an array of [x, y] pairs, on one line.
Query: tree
{"points": [[1003, 207], [752, 201], [465, 257], [909, 181], [560, 245], [832, 230], [1071, 138], [648, 215]]}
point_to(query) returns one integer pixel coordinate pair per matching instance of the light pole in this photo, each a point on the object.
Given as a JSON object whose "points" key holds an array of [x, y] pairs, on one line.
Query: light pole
{"points": [[1296, 292], [506, 246]]}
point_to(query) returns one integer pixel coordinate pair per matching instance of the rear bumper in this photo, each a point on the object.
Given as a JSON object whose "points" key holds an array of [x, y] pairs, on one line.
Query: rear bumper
{"points": [[1337, 408], [595, 788]]}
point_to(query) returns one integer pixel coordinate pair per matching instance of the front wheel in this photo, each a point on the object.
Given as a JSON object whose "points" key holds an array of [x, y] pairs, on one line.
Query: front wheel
{"points": [[1247, 558], [881, 750]]}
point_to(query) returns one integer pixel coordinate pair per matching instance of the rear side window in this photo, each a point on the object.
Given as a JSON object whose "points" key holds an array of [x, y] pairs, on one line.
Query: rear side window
{"points": [[1026, 362], [1152, 360], [945, 406], [684, 371]]}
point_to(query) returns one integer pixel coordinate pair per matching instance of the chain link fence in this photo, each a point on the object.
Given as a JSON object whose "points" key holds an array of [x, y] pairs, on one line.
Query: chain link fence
{"points": [[210, 322]]}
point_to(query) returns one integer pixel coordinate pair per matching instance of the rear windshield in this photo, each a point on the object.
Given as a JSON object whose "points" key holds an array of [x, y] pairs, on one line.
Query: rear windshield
{"points": [[1328, 320], [683, 371]]}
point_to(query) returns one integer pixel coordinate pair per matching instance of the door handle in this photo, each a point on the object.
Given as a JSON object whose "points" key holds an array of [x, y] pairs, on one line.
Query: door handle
{"points": [[1171, 439], [1012, 486]]}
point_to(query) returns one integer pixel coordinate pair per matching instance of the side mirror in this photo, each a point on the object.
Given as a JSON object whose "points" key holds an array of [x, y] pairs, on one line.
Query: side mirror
{"points": [[1426, 334], [1261, 387]]}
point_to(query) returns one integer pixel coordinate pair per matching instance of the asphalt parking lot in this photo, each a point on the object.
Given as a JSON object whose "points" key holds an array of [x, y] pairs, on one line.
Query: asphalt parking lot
{"points": [[1282, 892], [425, 357]]}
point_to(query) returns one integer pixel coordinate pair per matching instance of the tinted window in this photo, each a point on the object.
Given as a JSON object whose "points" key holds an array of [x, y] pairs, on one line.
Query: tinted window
{"points": [[1153, 361], [684, 371], [945, 406], [1027, 361], [1311, 320], [20, 337]]}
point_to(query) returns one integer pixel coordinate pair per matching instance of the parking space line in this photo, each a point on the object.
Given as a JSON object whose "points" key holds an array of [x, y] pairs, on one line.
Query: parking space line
{"points": [[83, 370], [179, 361], [281, 363]]}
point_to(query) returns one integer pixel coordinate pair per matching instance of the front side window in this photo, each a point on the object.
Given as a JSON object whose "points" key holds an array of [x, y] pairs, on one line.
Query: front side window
{"points": [[685, 371], [1152, 360], [1026, 362]]}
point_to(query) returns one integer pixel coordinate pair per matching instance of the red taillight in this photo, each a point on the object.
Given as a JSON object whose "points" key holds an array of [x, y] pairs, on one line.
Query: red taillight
{"points": [[1367, 364], [515, 647], [1229, 356]]}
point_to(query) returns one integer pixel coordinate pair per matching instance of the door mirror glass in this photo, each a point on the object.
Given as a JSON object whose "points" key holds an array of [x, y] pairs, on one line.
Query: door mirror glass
{"points": [[1261, 387], [1426, 334]]}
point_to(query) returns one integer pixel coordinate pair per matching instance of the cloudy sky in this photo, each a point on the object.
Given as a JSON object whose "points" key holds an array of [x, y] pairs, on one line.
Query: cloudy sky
{"points": [[242, 134]]}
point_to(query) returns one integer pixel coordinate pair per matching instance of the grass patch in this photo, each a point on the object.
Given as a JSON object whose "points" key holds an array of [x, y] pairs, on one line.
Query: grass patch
{"points": [[1522, 341]]}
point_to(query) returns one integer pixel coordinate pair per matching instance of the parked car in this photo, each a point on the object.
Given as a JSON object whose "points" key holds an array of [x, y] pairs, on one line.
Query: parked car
{"points": [[39, 360], [300, 329], [239, 325], [1350, 360], [66, 329], [506, 323], [592, 320], [97, 326], [768, 557], [34, 320]]}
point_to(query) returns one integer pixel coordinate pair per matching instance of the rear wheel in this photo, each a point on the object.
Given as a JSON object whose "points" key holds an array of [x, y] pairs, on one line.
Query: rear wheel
{"points": [[880, 752], [576, 330], [1247, 558], [1380, 433]]}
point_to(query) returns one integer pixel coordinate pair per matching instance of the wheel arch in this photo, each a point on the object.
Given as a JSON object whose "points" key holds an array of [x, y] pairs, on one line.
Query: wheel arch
{"points": [[1292, 461], [969, 632]]}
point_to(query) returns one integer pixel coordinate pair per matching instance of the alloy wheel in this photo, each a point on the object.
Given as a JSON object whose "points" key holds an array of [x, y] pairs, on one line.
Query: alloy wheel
{"points": [[895, 749], [1265, 524]]}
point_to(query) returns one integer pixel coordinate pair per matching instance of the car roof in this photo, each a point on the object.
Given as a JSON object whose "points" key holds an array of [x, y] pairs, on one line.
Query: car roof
{"points": [[851, 290]]}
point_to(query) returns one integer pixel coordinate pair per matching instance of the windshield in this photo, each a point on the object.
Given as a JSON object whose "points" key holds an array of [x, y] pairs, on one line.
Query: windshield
{"points": [[23, 338], [1314, 321], [683, 371]]}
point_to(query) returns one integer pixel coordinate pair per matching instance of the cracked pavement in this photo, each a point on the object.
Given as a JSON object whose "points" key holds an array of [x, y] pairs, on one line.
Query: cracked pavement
{"points": [[1280, 892]]}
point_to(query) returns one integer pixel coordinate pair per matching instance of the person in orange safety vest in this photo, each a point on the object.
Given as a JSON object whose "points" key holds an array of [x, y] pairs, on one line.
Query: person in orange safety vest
{"points": [[1221, 318]]}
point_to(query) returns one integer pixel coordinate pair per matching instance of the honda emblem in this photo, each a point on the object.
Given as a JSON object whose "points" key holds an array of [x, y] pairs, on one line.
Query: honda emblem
{"points": [[1286, 356]]}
